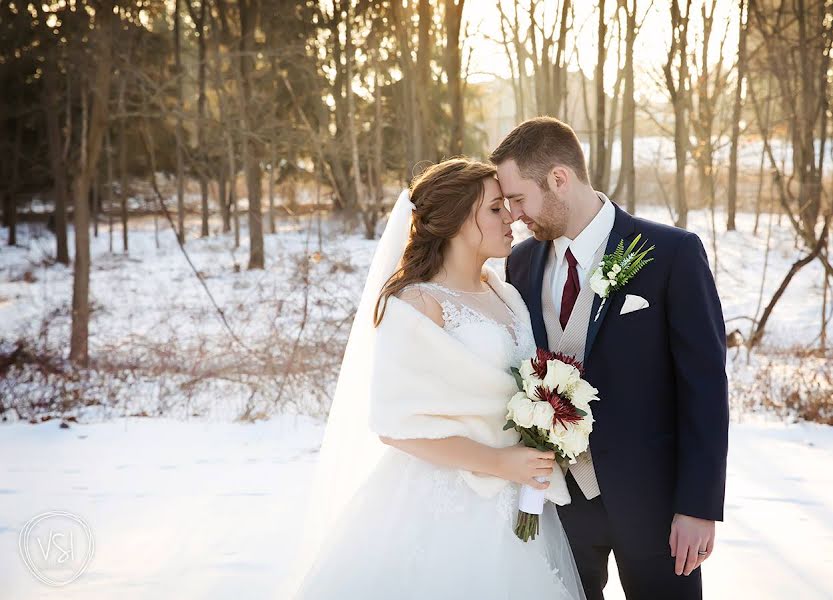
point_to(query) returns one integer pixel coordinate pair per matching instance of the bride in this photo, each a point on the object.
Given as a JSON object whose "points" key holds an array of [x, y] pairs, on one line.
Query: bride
{"points": [[416, 490]]}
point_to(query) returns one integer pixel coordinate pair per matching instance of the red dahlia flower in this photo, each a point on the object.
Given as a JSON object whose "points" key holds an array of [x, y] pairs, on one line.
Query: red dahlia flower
{"points": [[565, 411]]}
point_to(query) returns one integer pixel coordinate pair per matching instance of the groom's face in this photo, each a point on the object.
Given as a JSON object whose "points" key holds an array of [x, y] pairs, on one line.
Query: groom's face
{"points": [[543, 211]]}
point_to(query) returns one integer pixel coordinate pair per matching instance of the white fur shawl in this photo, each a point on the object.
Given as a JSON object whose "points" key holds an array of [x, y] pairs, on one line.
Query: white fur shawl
{"points": [[427, 384]]}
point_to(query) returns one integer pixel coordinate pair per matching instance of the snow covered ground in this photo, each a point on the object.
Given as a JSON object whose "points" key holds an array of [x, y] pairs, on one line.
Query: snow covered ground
{"points": [[195, 504], [213, 510], [158, 335]]}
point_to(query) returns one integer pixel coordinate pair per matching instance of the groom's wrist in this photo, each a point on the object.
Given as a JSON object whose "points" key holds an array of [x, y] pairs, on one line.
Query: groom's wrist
{"points": [[683, 507]]}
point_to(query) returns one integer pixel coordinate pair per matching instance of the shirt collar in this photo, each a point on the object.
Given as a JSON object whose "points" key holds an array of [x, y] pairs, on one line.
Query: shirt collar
{"points": [[586, 243]]}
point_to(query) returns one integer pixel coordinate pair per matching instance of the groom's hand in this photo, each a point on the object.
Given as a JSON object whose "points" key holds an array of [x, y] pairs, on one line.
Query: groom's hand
{"points": [[688, 536]]}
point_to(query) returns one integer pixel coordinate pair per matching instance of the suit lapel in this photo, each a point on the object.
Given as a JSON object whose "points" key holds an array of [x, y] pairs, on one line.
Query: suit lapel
{"points": [[623, 229], [537, 265]]}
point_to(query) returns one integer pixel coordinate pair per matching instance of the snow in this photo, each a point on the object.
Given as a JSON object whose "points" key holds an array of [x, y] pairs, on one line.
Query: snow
{"points": [[197, 503], [204, 510], [155, 329], [211, 510]]}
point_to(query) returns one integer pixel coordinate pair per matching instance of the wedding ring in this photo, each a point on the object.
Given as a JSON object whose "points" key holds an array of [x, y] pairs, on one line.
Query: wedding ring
{"points": [[702, 552]]}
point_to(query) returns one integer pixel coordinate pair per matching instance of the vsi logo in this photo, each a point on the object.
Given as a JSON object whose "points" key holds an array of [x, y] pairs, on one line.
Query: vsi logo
{"points": [[56, 546]]}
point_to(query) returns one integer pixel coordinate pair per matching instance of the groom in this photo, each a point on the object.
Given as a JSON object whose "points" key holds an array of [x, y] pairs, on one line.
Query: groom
{"points": [[651, 486]]}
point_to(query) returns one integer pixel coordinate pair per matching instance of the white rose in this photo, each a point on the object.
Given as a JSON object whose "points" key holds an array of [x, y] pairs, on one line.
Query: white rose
{"points": [[599, 284], [586, 425], [572, 440], [542, 414], [560, 376], [521, 410], [582, 394], [575, 441], [530, 379], [616, 268], [611, 275]]}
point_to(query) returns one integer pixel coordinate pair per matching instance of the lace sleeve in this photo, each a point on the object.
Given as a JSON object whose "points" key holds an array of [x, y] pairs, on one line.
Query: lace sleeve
{"points": [[415, 294], [454, 312]]}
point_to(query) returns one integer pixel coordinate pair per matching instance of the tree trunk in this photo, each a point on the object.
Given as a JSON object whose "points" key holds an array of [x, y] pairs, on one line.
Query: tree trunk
{"points": [[560, 76], [731, 208], [108, 152], [251, 162], [610, 127], [627, 171], [273, 158], [222, 195], [232, 206], [514, 74], [180, 132], [521, 55], [349, 52], [201, 142], [96, 201], [679, 93], [59, 174], [600, 148], [91, 142], [708, 87], [453, 19], [10, 204], [124, 192], [758, 333], [425, 134], [798, 57]]}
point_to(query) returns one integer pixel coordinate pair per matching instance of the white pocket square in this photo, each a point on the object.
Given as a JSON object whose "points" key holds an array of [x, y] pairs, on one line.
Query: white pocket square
{"points": [[632, 303]]}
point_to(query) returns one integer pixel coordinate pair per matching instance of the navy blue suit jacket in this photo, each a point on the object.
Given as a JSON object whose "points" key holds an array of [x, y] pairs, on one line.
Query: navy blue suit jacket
{"points": [[660, 436]]}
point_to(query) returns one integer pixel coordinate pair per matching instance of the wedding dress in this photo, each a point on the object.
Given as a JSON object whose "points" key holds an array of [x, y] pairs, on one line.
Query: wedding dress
{"points": [[410, 529]]}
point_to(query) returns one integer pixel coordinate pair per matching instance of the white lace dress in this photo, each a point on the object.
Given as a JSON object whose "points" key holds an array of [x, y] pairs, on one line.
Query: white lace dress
{"points": [[416, 530]]}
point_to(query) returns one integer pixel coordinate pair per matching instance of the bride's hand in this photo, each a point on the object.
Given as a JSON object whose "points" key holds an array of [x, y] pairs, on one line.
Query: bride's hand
{"points": [[521, 465]]}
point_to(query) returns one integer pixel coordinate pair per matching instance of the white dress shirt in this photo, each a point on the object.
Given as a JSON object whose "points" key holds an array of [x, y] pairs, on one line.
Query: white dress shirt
{"points": [[583, 248]]}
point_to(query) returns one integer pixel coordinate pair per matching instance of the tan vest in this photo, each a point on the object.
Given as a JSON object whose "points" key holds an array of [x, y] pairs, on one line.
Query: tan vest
{"points": [[571, 341]]}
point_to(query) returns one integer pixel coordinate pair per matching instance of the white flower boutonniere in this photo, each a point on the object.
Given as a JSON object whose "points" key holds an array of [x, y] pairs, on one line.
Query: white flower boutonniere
{"points": [[617, 269]]}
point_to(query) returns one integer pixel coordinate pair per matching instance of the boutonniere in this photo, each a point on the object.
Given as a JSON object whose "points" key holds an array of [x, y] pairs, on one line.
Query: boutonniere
{"points": [[618, 268]]}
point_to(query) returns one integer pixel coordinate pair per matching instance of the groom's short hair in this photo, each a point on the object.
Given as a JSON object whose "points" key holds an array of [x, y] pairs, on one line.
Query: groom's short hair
{"points": [[537, 145]]}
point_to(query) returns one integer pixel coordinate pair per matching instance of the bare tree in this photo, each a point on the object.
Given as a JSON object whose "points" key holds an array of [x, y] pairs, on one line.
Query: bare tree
{"points": [[123, 179], [627, 170], [453, 19], [798, 97], [198, 17], [510, 29], [740, 76], [92, 133], [797, 39], [709, 80], [249, 12], [56, 158], [180, 130], [10, 199], [598, 171], [415, 60], [676, 76], [349, 58]]}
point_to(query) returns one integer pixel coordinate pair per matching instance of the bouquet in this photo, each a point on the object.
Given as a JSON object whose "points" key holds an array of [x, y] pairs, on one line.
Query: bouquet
{"points": [[552, 412]]}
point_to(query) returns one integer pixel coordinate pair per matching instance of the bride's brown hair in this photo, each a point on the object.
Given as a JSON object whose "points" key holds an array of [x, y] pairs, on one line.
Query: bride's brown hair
{"points": [[444, 195]]}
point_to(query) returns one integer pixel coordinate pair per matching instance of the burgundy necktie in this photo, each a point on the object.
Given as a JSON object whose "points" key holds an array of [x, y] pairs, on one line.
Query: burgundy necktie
{"points": [[570, 293]]}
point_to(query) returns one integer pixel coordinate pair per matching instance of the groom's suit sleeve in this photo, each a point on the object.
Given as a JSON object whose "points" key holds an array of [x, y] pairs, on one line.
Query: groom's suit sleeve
{"points": [[697, 341], [506, 269]]}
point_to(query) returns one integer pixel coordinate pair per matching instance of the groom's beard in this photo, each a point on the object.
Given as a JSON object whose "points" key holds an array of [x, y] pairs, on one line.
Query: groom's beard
{"points": [[552, 222]]}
